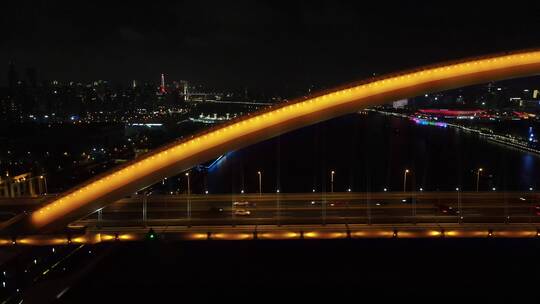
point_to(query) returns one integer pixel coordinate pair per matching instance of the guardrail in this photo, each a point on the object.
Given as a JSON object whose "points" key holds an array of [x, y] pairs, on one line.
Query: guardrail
{"points": [[277, 233]]}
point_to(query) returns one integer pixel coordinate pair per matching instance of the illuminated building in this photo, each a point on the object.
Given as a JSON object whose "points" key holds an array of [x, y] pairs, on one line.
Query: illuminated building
{"points": [[162, 88], [22, 185]]}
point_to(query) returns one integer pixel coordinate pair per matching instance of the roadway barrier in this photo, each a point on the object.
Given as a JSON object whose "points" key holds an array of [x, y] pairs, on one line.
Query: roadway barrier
{"points": [[277, 233]]}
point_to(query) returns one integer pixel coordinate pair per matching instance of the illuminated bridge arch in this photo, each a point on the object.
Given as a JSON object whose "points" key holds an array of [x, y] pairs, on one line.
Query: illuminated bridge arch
{"points": [[181, 155]]}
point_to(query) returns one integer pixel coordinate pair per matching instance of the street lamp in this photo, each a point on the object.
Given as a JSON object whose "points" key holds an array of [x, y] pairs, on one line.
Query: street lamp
{"points": [[460, 211], [260, 182], [188, 186], [100, 216], [188, 198], [42, 177], [145, 207], [405, 179], [278, 206], [332, 181], [478, 177]]}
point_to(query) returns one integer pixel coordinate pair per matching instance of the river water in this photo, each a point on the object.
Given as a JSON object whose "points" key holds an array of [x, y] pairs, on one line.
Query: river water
{"points": [[370, 152]]}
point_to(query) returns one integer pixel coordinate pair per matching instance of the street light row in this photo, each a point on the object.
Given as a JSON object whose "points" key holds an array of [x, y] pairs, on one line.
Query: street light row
{"points": [[332, 174]]}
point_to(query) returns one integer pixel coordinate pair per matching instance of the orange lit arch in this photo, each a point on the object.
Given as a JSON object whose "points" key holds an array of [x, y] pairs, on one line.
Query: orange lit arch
{"points": [[184, 154]]}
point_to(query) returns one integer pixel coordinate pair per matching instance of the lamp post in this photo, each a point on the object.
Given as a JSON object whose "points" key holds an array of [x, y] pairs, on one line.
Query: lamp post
{"points": [[260, 182], [188, 185], [332, 181], [100, 216], [145, 207], [405, 179], [478, 177], [44, 182], [188, 199], [460, 209], [278, 206]]}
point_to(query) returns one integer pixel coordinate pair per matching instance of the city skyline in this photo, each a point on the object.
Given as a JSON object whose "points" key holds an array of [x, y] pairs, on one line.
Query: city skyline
{"points": [[268, 45]]}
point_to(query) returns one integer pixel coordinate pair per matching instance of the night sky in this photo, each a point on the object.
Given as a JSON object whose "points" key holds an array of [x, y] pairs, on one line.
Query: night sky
{"points": [[268, 45]]}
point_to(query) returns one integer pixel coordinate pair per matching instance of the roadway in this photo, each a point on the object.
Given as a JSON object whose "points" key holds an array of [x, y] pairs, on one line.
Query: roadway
{"points": [[306, 208], [317, 208]]}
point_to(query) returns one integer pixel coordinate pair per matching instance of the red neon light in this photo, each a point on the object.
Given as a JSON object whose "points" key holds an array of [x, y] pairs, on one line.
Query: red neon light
{"points": [[446, 112]]}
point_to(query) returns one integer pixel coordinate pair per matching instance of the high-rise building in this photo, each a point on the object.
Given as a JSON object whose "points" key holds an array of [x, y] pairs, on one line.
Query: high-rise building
{"points": [[162, 89], [185, 89]]}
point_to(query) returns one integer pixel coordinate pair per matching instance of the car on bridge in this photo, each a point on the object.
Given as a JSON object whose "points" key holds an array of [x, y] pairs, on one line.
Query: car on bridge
{"points": [[446, 210], [329, 203], [407, 200], [241, 212], [244, 204], [537, 210], [338, 204]]}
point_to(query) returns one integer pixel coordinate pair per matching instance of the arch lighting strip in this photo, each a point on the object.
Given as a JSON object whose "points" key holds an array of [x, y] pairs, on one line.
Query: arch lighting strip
{"points": [[358, 95]]}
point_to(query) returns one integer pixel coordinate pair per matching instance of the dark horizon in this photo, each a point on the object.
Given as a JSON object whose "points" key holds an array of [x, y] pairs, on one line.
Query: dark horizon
{"points": [[265, 45]]}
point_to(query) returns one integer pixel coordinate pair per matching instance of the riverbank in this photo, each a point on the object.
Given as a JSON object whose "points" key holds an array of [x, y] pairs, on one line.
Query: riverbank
{"points": [[501, 139]]}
